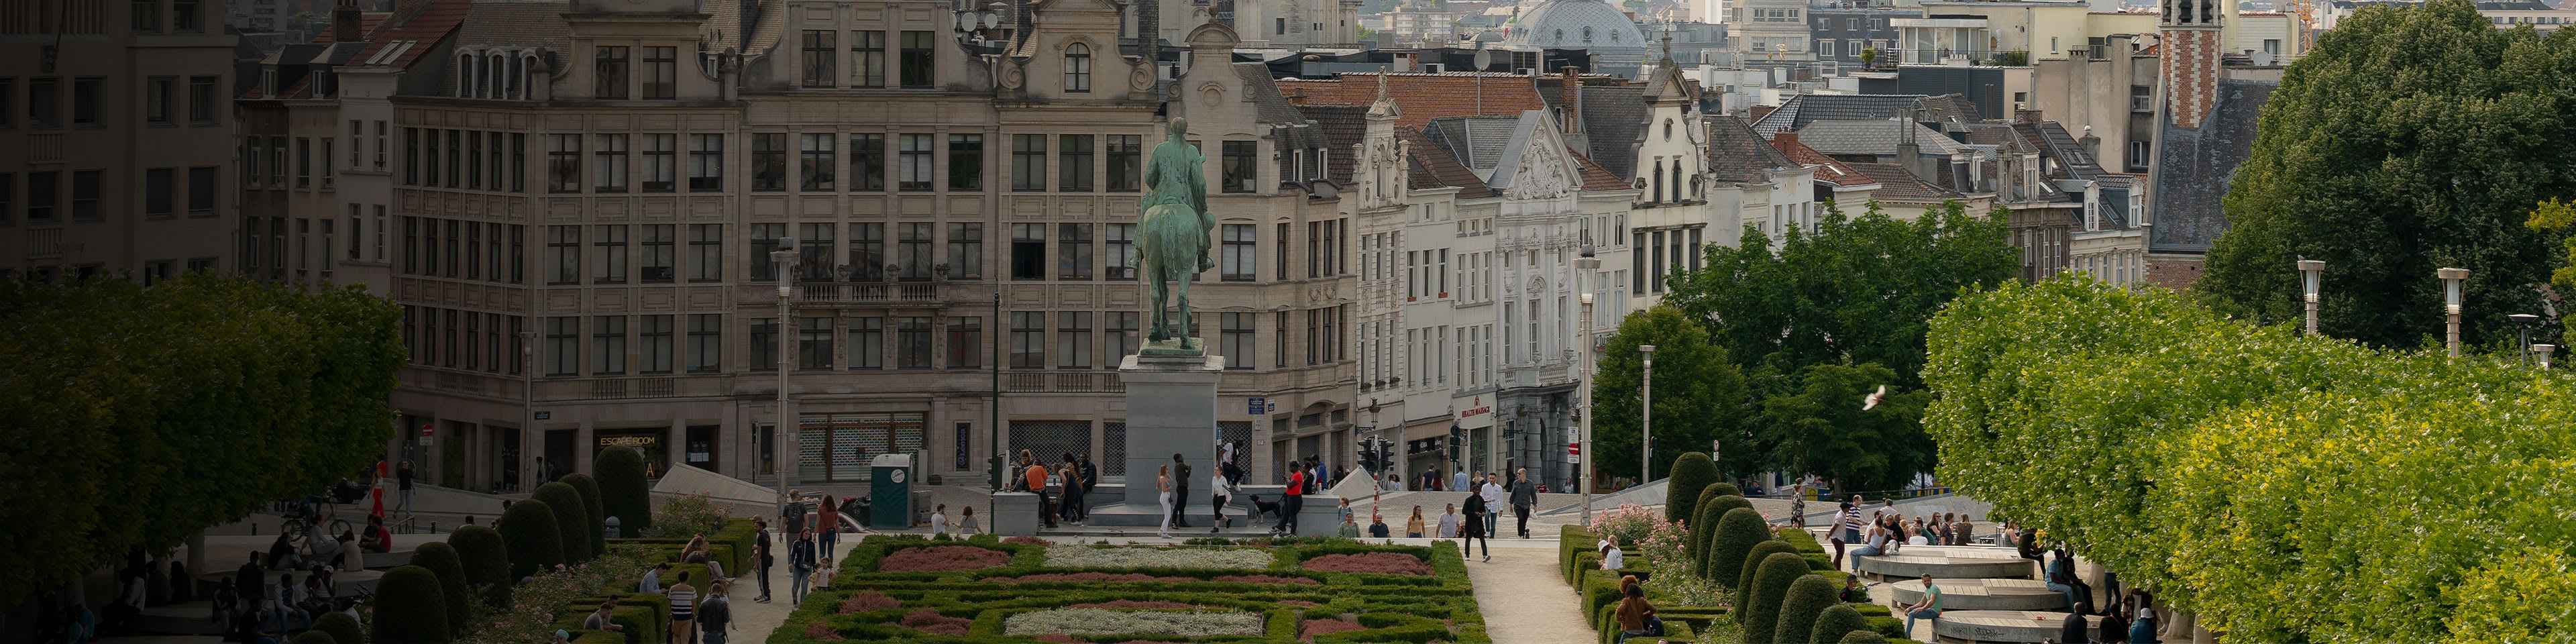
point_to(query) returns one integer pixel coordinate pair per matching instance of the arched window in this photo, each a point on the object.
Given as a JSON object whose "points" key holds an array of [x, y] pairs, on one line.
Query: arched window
{"points": [[1668, 129], [465, 76], [1659, 180], [494, 76], [1587, 34], [1077, 68]]}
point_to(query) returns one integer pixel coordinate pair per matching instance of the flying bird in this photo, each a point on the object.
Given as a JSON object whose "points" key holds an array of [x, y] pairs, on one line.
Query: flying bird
{"points": [[1871, 401]]}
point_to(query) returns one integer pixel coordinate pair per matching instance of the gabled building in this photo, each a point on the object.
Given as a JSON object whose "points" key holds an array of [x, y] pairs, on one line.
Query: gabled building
{"points": [[2207, 131]]}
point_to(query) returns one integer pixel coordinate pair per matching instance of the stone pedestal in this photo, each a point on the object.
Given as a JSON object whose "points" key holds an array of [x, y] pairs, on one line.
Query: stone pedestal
{"points": [[1014, 514], [1322, 516], [1171, 409]]}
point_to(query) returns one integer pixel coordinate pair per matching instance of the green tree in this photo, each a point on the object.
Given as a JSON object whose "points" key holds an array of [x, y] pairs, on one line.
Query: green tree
{"points": [[2407, 140], [2555, 215], [1691, 473], [597, 528], [1698, 395], [137, 416], [623, 491], [1821, 429]]}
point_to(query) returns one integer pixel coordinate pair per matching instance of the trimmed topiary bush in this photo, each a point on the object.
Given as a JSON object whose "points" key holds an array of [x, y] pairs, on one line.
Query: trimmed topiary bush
{"points": [[441, 558], [343, 628], [533, 537], [1864, 637], [1691, 472], [1762, 606], [486, 563], [1735, 534], [1836, 621], [1718, 489], [571, 520], [1807, 598], [409, 607], [1753, 561], [314, 637], [623, 492], [1704, 532], [598, 525]]}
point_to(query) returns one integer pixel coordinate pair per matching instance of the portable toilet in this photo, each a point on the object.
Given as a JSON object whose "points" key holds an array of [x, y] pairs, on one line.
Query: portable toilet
{"points": [[890, 492]]}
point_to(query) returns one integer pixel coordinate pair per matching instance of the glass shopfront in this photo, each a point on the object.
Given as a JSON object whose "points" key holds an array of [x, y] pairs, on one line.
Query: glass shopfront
{"points": [[649, 440], [836, 448]]}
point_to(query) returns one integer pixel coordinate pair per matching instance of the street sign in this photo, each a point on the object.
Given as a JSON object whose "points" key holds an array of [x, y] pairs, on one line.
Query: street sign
{"points": [[1257, 406], [428, 435], [545, 415]]}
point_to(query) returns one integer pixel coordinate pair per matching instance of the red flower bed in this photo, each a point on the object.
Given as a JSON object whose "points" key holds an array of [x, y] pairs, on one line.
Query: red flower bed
{"points": [[930, 621], [817, 630], [1308, 629], [1125, 603], [942, 558], [1059, 638], [1102, 576], [1267, 579], [1382, 563], [868, 600]]}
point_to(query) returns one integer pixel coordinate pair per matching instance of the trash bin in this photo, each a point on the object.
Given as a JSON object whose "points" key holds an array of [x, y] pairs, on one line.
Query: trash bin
{"points": [[890, 492]]}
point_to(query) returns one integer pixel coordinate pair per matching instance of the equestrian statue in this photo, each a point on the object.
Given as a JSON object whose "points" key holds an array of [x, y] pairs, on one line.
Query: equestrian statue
{"points": [[1174, 234]]}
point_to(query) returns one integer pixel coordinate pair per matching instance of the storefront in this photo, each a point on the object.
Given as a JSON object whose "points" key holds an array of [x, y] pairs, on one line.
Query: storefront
{"points": [[649, 440], [837, 448]]}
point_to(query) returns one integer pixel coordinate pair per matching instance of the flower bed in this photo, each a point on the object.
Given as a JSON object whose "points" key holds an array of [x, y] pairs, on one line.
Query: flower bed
{"points": [[1103, 576], [1313, 627], [930, 621], [1123, 603], [868, 600], [1378, 563], [942, 559], [1097, 621], [1197, 558]]}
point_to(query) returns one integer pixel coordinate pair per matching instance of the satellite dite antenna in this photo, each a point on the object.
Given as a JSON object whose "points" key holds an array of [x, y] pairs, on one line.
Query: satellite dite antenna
{"points": [[1484, 58]]}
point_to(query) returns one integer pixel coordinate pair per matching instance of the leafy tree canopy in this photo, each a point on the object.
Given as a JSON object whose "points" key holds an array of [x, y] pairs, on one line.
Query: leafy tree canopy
{"points": [[2408, 140], [1699, 395]]}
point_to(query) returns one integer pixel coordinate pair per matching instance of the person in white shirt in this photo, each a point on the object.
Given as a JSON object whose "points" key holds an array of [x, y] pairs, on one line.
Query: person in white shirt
{"points": [[1449, 522], [1611, 558], [939, 520], [1493, 493], [1216, 501]]}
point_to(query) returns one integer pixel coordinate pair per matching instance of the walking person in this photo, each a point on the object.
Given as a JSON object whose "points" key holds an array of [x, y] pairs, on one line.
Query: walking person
{"points": [[1289, 498], [939, 520], [1216, 503], [1475, 528], [402, 481], [827, 522], [761, 544], [1493, 492], [1071, 480], [1524, 495], [1846, 529], [1090, 478], [684, 604], [1413, 526], [791, 515], [800, 564], [715, 613], [966, 525], [1450, 522], [1458, 481], [1180, 492], [1163, 492]]}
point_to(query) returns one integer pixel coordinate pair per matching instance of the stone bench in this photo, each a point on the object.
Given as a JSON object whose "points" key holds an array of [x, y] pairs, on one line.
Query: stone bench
{"points": [[1984, 594], [2003, 626], [1944, 566]]}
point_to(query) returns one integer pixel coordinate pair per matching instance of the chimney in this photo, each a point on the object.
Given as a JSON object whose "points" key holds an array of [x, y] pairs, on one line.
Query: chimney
{"points": [[2026, 115], [1570, 106], [1784, 139], [345, 22]]}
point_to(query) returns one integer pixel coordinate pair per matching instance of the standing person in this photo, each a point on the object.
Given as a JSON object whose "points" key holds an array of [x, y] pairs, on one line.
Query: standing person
{"points": [[1090, 478], [545, 471], [1492, 490], [715, 614], [800, 565], [792, 514], [1377, 525], [1074, 506], [1458, 481], [1929, 608], [1163, 492], [1035, 478], [761, 544], [1317, 482], [827, 523], [1180, 491], [1289, 498], [1450, 521], [684, 605], [1846, 530], [939, 520], [1475, 529], [966, 524], [1225, 453], [1216, 503], [1524, 495], [1413, 526], [250, 583], [402, 481]]}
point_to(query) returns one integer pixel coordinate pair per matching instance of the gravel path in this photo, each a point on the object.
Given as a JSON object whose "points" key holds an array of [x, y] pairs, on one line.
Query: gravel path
{"points": [[1524, 599]]}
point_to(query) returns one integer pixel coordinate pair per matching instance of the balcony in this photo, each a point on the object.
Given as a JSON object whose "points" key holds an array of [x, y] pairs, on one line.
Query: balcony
{"points": [[1061, 383], [867, 294]]}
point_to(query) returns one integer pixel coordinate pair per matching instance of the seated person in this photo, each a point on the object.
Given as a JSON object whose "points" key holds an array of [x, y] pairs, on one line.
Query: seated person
{"points": [[1636, 617], [1611, 557], [1929, 608], [378, 538], [1853, 592]]}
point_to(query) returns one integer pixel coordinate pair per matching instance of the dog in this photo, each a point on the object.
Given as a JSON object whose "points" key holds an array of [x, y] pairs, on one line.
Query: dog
{"points": [[1260, 507]]}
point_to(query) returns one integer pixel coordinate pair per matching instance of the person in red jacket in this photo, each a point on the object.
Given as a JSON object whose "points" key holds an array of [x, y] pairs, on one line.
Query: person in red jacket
{"points": [[1291, 499]]}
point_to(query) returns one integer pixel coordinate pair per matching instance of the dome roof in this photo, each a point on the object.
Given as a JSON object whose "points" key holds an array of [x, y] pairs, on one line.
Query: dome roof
{"points": [[1577, 24]]}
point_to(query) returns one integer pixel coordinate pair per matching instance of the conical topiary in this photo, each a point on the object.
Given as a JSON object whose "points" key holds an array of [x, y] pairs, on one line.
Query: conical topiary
{"points": [[408, 607], [598, 527], [1691, 472], [342, 627], [1761, 608], [314, 637], [1864, 637], [1753, 562], [1835, 622], [486, 562], [533, 537], [1702, 533], [623, 491], [1735, 534], [441, 558], [571, 520], [1807, 598]]}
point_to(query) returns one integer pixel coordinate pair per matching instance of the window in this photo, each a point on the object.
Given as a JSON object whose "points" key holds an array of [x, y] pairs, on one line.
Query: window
{"points": [[156, 193], [1028, 162], [381, 232], [201, 195], [867, 162], [563, 346], [563, 162], [867, 252], [1825, 49], [1122, 251], [328, 173], [764, 344], [453, 235], [706, 162], [1125, 330], [912, 251], [912, 343], [44, 103], [1073, 251], [815, 167], [1028, 340], [661, 161], [1314, 337], [472, 153], [455, 157], [706, 342], [1235, 342], [1077, 68], [819, 52], [764, 240], [1126, 156], [564, 242], [1241, 248], [768, 162], [965, 342], [43, 189], [85, 187], [660, 251], [2137, 154], [1239, 166], [1028, 251], [157, 97], [611, 169], [201, 101], [814, 252], [147, 16], [965, 162], [655, 353], [303, 162], [706, 252], [917, 52], [661, 72], [913, 164], [814, 343], [867, 59], [608, 345], [1279, 250], [609, 73], [85, 101], [183, 15], [1075, 173], [867, 343], [966, 251], [8, 201], [518, 161], [1073, 339]]}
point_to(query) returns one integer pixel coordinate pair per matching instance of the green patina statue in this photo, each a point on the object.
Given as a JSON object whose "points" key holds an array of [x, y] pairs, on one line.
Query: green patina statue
{"points": [[1173, 244]]}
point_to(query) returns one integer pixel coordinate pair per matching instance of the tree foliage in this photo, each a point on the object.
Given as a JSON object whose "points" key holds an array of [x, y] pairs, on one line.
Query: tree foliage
{"points": [[1691, 473], [2407, 140], [2243, 473], [1820, 428], [623, 491], [1698, 395], [2556, 215], [138, 416]]}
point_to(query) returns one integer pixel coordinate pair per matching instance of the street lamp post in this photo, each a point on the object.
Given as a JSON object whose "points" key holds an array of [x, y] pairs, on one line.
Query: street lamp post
{"points": [[1646, 411], [785, 261], [2522, 323], [1584, 266], [2311, 271], [2451, 279]]}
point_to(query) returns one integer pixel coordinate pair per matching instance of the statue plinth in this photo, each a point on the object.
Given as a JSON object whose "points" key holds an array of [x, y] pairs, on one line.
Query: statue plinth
{"points": [[1171, 409], [1173, 350]]}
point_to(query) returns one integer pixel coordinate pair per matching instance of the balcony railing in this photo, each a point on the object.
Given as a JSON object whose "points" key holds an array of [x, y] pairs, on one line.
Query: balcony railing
{"points": [[867, 293]]}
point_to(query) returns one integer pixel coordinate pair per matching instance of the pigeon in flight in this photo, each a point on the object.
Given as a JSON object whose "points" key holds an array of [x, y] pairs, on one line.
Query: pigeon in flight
{"points": [[1871, 401]]}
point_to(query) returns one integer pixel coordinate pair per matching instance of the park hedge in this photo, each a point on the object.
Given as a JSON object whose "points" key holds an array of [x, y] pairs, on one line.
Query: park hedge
{"points": [[532, 535], [440, 558], [1735, 534], [486, 562], [342, 627], [1752, 562], [623, 491], [1836, 621], [1760, 609], [572, 521], [597, 527], [1691, 472], [408, 607], [1808, 597], [1704, 533]]}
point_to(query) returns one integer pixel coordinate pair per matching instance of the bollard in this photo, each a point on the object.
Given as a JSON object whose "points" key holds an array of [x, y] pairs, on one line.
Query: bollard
{"points": [[612, 530]]}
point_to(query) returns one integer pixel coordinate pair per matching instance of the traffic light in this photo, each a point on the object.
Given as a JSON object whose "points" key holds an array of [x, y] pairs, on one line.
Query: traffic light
{"points": [[1368, 455]]}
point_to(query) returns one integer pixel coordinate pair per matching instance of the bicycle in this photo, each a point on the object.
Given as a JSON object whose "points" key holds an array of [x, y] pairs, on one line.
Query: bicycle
{"points": [[299, 529]]}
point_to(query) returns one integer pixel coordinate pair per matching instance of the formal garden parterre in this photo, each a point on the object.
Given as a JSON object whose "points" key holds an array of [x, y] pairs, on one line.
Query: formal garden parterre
{"points": [[1768, 592], [911, 588]]}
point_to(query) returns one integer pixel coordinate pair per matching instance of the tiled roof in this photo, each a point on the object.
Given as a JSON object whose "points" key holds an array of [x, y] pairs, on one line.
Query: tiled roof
{"points": [[2194, 166], [1873, 138], [1433, 168], [367, 23], [1896, 184], [412, 37], [1342, 127], [1269, 105], [1805, 108], [1423, 97], [1596, 177], [1737, 155], [1828, 169], [1614, 118], [2073, 161]]}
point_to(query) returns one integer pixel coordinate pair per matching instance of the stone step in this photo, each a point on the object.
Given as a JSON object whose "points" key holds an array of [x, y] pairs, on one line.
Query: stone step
{"points": [[1944, 566], [192, 618], [161, 639], [347, 583], [1984, 594], [2003, 626]]}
